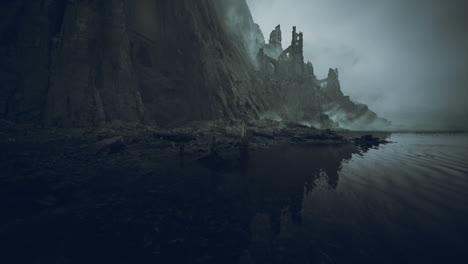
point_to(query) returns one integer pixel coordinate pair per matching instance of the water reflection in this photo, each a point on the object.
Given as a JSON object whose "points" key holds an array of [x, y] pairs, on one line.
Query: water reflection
{"points": [[267, 189], [403, 203], [294, 208]]}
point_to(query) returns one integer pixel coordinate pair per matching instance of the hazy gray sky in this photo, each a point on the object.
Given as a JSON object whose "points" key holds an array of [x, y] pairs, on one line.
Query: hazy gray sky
{"points": [[406, 59]]}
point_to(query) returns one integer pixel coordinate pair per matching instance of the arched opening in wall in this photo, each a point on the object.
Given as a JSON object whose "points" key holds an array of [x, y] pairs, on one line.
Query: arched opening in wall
{"points": [[284, 56], [271, 68]]}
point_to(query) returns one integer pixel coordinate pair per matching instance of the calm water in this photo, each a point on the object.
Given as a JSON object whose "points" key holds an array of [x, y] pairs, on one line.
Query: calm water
{"points": [[405, 202]]}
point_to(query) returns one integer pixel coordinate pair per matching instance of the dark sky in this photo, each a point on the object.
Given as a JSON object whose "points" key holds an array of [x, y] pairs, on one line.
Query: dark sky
{"points": [[406, 59]]}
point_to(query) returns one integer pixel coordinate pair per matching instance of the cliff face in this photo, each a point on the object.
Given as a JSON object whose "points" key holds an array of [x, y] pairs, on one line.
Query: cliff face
{"points": [[239, 21], [67, 63], [83, 63]]}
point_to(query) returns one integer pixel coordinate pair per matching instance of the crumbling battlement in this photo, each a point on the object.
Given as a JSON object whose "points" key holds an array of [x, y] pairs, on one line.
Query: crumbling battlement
{"points": [[274, 47], [293, 56], [331, 85], [290, 60], [333, 74], [276, 38], [303, 97]]}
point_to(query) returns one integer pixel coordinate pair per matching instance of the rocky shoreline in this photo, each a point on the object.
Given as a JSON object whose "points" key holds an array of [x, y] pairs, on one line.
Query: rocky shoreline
{"points": [[100, 181], [47, 154], [194, 140]]}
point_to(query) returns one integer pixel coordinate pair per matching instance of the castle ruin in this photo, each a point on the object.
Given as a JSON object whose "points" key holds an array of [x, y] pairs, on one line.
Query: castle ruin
{"points": [[287, 61]]}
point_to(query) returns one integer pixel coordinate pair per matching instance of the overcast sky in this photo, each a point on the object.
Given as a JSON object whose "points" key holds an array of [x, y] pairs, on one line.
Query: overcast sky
{"points": [[406, 59]]}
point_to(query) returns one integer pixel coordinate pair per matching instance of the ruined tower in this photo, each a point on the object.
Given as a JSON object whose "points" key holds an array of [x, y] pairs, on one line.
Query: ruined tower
{"points": [[276, 38], [333, 74], [290, 60], [297, 51], [332, 85], [274, 48], [294, 54]]}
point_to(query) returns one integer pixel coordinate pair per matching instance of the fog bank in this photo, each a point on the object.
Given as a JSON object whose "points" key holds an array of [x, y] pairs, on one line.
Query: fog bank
{"points": [[407, 60]]}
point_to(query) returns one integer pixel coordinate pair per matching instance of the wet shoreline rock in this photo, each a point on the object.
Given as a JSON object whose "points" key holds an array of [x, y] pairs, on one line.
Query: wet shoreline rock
{"points": [[370, 140], [196, 139]]}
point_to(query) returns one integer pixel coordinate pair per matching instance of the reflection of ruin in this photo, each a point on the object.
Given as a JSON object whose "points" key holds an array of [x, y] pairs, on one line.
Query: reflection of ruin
{"points": [[269, 195], [274, 181]]}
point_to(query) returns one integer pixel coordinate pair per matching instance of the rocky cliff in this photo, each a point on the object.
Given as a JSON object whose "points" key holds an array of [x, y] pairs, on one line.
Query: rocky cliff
{"points": [[85, 63]]}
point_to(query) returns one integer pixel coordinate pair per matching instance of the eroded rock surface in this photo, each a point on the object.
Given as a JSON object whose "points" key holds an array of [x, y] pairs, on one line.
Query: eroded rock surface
{"points": [[87, 63]]}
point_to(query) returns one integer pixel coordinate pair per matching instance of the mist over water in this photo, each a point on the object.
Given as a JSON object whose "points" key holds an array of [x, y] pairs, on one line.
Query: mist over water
{"points": [[406, 60]]}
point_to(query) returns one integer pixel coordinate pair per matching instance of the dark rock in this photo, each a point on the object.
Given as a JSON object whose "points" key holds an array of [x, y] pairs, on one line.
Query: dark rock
{"points": [[296, 125], [263, 133], [112, 145], [369, 141], [174, 136], [79, 63]]}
